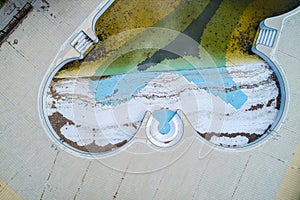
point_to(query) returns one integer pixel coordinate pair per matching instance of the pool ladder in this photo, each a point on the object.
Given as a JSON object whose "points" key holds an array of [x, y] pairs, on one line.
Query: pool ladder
{"points": [[82, 42], [266, 36]]}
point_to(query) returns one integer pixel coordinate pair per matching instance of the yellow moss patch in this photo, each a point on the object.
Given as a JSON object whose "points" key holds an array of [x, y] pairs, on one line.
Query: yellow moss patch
{"points": [[120, 23], [243, 35], [98, 56], [218, 31], [130, 14]]}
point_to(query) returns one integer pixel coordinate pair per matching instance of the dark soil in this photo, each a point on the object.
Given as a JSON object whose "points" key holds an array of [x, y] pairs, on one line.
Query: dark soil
{"points": [[57, 121]]}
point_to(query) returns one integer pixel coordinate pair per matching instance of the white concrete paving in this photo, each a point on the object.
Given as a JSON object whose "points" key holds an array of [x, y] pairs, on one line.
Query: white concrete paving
{"points": [[34, 168]]}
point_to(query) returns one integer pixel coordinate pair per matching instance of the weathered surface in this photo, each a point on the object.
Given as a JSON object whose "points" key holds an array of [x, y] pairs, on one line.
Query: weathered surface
{"points": [[89, 114], [35, 168]]}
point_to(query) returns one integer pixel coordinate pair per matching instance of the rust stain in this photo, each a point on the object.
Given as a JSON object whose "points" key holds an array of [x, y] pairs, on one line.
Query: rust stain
{"points": [[269, 104], [255, 107], [57, 121], [251, 136]]}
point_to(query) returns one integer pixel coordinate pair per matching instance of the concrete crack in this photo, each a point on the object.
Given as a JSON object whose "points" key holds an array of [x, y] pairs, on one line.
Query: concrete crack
{"points": [[122, 179], [49, 175], [237, 185], [82, 180], [288, 55], [278, 159], [21, 54], [202, 174], [160, 181], [16, 50]]}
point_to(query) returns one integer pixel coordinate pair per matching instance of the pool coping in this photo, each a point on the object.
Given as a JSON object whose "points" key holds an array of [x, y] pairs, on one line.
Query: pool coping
{"points": [[30, 157], [269, 55], [67, 53]]}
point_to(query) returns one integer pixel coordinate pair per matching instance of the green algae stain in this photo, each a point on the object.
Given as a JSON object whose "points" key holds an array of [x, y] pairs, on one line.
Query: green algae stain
{"points": [[131, 14], [177, 20], [2, 2], [127, 62], [228, 34]]}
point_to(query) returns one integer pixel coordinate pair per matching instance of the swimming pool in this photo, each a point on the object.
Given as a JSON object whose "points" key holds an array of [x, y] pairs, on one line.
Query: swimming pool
{"points": [[189, 55]]}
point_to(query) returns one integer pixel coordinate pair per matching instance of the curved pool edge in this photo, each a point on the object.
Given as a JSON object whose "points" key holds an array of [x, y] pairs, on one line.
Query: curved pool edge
{"points": [[29, 156], [67, 54], [269, 54]]}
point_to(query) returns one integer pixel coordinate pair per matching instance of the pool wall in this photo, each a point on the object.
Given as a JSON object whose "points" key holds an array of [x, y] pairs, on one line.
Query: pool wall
{"points": [[67, 57]]}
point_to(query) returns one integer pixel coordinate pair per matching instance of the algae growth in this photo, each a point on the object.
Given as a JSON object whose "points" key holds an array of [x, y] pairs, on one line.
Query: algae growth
{"points": [[224, 29]]}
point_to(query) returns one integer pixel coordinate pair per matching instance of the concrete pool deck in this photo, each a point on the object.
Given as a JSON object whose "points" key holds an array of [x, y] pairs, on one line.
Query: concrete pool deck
{"points": [[31, 166]]}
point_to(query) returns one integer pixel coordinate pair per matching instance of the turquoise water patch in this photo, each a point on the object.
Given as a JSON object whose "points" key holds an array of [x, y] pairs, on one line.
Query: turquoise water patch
{"points": [[218, 82], [116, 89], [164, 117]]}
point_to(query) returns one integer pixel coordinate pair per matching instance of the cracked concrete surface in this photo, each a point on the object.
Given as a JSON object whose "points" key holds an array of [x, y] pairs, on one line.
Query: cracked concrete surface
{"points": [[49, 176], [82, 181]]}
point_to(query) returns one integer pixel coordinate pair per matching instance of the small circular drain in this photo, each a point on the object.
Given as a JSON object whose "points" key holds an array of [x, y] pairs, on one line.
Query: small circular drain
{"points": [[164, 128]]}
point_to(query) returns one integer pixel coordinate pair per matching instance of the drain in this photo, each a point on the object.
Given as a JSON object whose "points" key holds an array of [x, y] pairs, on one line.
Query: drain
{"points": [[164, 128]]}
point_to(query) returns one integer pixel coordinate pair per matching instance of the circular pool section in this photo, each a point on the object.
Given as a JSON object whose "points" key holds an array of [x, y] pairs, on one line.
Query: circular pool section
{"points": [[81, 122]]}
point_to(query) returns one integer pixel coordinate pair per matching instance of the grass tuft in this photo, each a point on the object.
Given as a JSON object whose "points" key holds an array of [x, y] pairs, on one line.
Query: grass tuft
{"points": [[2, 2]]}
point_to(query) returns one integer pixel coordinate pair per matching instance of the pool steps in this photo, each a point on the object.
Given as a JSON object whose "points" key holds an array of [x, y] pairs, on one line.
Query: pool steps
{"points": [[266, 36], [82, 42]]}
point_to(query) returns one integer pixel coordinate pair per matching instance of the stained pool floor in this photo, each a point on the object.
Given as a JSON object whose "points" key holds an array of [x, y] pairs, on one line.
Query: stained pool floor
{"points": [[188, 55]]}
